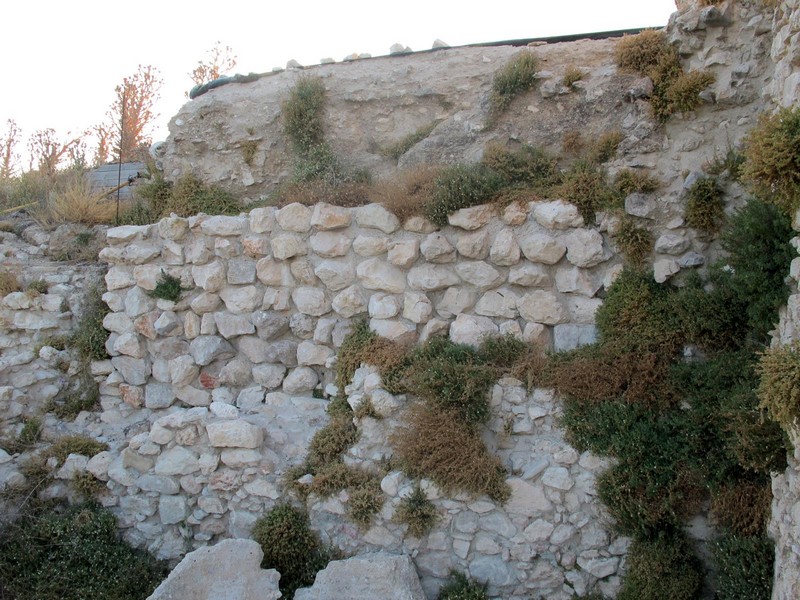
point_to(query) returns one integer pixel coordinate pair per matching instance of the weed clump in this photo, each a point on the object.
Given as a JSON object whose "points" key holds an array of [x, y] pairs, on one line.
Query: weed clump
{"points": [[27, 438], [528, 167], [73, 555], [572, 75], [8, 283], [705, 205], [460, 587], [187, 197], [586, 186], [290, 547], [661, 568], [605, 148], [779, 388], [75, 444], [517, 75], [249, 148], [461, 186], [37, 286], [303, 114], [405, 144], [634, 242], [745, 566], [407, 194], [89, 339], [629, 181], [168, 287], [772, 159], [417, 511]]}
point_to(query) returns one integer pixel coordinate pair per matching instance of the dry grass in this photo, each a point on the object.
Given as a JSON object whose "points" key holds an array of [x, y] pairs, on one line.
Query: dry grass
{"points": [[438, 445], [78, 203], [605, 147], [408, 192], [642, 52], [572, 142], [571, 76], [312, 192], [634, 242], [9, 282], [742, 506]]}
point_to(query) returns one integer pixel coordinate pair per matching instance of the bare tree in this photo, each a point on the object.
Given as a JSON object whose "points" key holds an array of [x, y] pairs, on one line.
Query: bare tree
{"points": [[221, 60], [131, 114], [102, 150], [48, 151], [8, 158]]}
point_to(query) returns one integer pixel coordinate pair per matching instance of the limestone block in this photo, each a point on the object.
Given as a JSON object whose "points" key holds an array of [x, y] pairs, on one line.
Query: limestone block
{"points": [[454, 301], [469, 329], [269, 324], [585, 248], [137, 302], [350, 302], [272, 272], [269, 376], [228, 570], [167, 324], [368, 245], [430, 278], [210, 277], [207, 348], [311, 301], [544, 307], [336, 274], [397, 330], [419, 224], [529, 275], [557, 215], [241, 271], [234, 434], [641, 205], [141, 253], [403, 253], [309, 353], [384, 306], [236, 373], [505, 249], [126, 233], [329, 244], [262, 220], [473, 217], [177, 461], [197, 251], [664, 268], [672, 243], [479, 274], [173, 228], [205, 302], [527, 499], [182, 370], [417, 307], [241, 299], [326, 216], [288, 245], [300, 380], [498, 303], [134, 371], [117, 322], [542, 248], [376, 274], [473, 245], [573, 280], [374, 216], [224, 225], [570, 336], [436, 249], [255, 247], [294, 217]]}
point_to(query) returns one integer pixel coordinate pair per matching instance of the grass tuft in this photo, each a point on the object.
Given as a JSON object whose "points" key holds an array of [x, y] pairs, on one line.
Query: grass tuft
{"points": [[460, 587], [516, 76], [168, 287], [417, 511]]}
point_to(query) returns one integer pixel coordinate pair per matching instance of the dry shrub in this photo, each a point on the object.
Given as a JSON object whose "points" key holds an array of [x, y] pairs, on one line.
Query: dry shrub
{"points": [[78, 203], [586, 186], [438, 445], [391, 358], [605, 147], [312, 192], [634, 242], [75, 444], [330, 442], [531, 366], [8, 283], [515, 77], [779, 389], [742, 506], [629, 181], [572, 142], [571, 76], [642, 52], [403, 145], [417, 511], [408, 192]]}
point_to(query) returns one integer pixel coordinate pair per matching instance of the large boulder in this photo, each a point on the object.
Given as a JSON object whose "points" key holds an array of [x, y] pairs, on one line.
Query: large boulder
{"points": [[366, 577], [230, 570]]}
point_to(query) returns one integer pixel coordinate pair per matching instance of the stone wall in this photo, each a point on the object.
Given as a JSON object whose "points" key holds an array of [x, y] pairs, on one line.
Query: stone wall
{"points": [[221, 392]]}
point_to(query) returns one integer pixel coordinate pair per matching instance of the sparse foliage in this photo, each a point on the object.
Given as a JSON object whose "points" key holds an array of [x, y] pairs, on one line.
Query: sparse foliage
{"points": [[8, 158], [220, 60], [131, 114], [48, 151]]}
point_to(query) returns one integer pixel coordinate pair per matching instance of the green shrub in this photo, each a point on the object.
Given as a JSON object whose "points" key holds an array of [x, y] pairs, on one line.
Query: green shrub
{"points": [[501, 351], [89, 339], [37, 286], [679, 93], [75, 444], [168, 287], [290, 547], [352, 353], [460, 587], [417, 511], [303, 114], [440, 446], [633, 241], [452, 377], [527, 167], [772, 159], [74, 555], [365, 502], [585, 185], [330, 442], [461, 186], [30, 433], [662, 568], [403, 145], [779, 388], [517, 75], [605, 147], [745, 567], [742, 506], [759, 254], [629, 181], [642, 52], [705, 205], [728, 165], [190, 196]]}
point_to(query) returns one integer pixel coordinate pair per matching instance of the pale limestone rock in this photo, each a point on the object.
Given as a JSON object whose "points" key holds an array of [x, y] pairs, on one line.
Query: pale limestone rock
{"points": [[287, 245], [336, 274], [515, 213], [158, 395], [182, 370], [134, 371], [542, 307], [473, 217], [269, 324], [210, 277], [436, 249], [207, 348], [241, 271], [417, 307], [542, 248], [303, 271], [300, 380], [263, 488], [262, 220], [582, 310], [311, 301], [432, 328], [205, 302], [641, 205], [235, 373], [224, 226], [173, 228], [556, 214], [228, 570], [430, 278], [255, 247], [147, 276], [127, 233], [197, 251], [172, 253], [527, 500], [480, 274], [397, 330], [171, 509], [269, 376], [383, 306], [570, 336], [505, 250], [177, 461], [469, 329], [375, 216], [119, 278], [330, 244], [403, 253], [572, 280], [294, 217], [376, 274], [131, 395], [366, 577], [137, 302], [227, 247], [368, 245], [672, 243], [140, 253], [234, 434], [272, 272], [277, 299], [73, 465], [167, 324], [529, 275], [99, 464], [664, 268], [309, 353], [455, 301], [473, 245], [419, 224], [117, 322], [326, 216], [350, 302], [558, 478], [498, 303], [302, 325], [599, 567], [241, 299], [585, 248]]}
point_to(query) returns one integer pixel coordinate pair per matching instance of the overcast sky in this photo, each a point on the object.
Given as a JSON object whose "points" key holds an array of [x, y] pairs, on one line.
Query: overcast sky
{"points": [[61, 60]]}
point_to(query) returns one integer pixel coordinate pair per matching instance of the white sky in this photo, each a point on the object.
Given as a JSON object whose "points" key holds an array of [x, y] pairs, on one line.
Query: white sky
{"points": [[61, 60]]}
